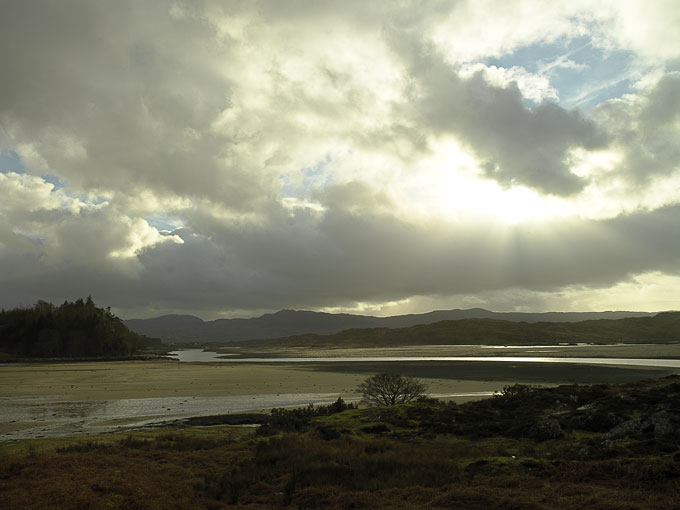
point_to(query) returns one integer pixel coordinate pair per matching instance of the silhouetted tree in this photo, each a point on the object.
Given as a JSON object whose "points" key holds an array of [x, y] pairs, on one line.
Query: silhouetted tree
{"points": [[76, 329], [390, 389]]}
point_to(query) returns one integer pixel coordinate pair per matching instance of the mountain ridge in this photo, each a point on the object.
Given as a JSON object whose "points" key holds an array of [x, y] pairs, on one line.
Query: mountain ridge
{"points": [[663, 327], [189, 328]]}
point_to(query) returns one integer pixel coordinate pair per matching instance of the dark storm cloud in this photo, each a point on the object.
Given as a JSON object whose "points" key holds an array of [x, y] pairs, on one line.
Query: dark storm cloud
{"points": [[286, 138], [517, 144], [646, 130], [120, 95], [347, 256], [358, 256]]}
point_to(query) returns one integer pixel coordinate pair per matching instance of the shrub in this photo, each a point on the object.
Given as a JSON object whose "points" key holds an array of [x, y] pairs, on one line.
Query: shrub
{"points": [[293, 420], [390, 389]]}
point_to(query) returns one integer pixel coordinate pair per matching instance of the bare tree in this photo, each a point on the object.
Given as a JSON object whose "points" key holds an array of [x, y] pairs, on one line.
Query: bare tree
{"points": [[390, 389]]}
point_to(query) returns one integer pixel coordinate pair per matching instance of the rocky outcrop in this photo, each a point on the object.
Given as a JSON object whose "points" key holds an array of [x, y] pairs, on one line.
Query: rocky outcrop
{"points": [[544, 430], [624, 430], [594, 420], [659, 425], [665, 424]]}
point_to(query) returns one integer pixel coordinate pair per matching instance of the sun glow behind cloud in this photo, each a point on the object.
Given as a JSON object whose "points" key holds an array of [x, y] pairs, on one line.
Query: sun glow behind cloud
{"points": [[448, 185], [364, 156]]}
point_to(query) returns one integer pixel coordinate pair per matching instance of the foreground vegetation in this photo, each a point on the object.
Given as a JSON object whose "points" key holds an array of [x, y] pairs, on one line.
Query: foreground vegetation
{"points": [[74, 330], [601, 447]]}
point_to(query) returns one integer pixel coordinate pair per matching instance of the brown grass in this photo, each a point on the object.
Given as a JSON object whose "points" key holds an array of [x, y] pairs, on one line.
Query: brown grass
{"points": [[176, 471]]}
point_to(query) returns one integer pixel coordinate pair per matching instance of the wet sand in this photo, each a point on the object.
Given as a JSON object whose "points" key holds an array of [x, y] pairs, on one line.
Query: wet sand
{"points": [[76, 381], [83, 397], [48, 387], [154, 379]]}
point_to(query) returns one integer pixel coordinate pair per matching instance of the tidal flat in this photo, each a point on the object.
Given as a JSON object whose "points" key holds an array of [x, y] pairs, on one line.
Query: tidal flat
{"points": [[48, 398], [69, 398]]}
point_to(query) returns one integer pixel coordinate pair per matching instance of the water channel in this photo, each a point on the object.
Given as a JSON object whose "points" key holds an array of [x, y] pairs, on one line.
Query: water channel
{"points": [[198, 355], [35, 417]]}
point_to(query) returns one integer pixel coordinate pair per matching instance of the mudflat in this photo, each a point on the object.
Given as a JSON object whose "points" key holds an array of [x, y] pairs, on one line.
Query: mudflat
{"points": [[75, 381], [86, 383], [80, 383], [153, 379]]}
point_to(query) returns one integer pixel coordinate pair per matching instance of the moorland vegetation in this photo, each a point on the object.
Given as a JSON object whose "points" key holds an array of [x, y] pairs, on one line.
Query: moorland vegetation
{"points": [[567, 447]]}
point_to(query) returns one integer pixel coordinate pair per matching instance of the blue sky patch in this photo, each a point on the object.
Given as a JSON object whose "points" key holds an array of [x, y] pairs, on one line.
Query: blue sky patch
{"points": [[164, 222], [313, 177], [11, 162], [583, 75]]}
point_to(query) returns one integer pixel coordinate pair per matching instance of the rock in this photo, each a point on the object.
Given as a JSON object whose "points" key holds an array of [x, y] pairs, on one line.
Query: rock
{"points": [[661, 424], [624, 430], [664, 424], [598, 421], [544, 430]]}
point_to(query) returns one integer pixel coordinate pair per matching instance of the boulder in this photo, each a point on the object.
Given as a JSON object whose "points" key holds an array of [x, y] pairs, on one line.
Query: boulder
{"points": [[545, 430], [624, 430], [595, 421], [664, 424]]}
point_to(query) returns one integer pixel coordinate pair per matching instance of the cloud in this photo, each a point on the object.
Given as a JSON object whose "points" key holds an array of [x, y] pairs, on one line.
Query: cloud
{"points": [[477, 29], [44, 231], [327, 154], [648, 28], [535, 87], [515, 143], [350, 255], [645, 130], [111, 101]]}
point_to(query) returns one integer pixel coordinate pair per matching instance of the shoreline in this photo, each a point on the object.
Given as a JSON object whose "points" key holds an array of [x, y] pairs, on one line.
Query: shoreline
{"points": [[75, 391]]}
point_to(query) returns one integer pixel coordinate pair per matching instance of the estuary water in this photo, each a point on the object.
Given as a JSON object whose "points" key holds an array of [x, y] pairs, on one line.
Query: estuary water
{"points": [[198, 355]]}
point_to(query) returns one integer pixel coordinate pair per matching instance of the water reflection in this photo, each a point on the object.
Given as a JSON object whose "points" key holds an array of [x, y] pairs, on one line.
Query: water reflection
{"points": [[46, 418], [49, 418], [197, 355]]}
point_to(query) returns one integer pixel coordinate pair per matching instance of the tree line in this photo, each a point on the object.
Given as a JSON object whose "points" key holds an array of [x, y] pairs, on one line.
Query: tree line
{"points": [[74, 329]]}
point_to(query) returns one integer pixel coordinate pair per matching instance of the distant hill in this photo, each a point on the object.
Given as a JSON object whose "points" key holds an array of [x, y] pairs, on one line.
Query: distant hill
{"points": [[663, 327], [188, 328]]}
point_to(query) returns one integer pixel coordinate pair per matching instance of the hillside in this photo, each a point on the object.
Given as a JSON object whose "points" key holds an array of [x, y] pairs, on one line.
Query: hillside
{"points": [[663, 327], [188, 328]]}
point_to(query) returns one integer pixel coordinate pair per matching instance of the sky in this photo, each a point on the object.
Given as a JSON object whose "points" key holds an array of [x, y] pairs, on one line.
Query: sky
{"points": [[231, 158]]}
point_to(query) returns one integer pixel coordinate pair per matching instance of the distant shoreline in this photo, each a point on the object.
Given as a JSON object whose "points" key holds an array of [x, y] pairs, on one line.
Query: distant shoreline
{"points": [[144, 357]]}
